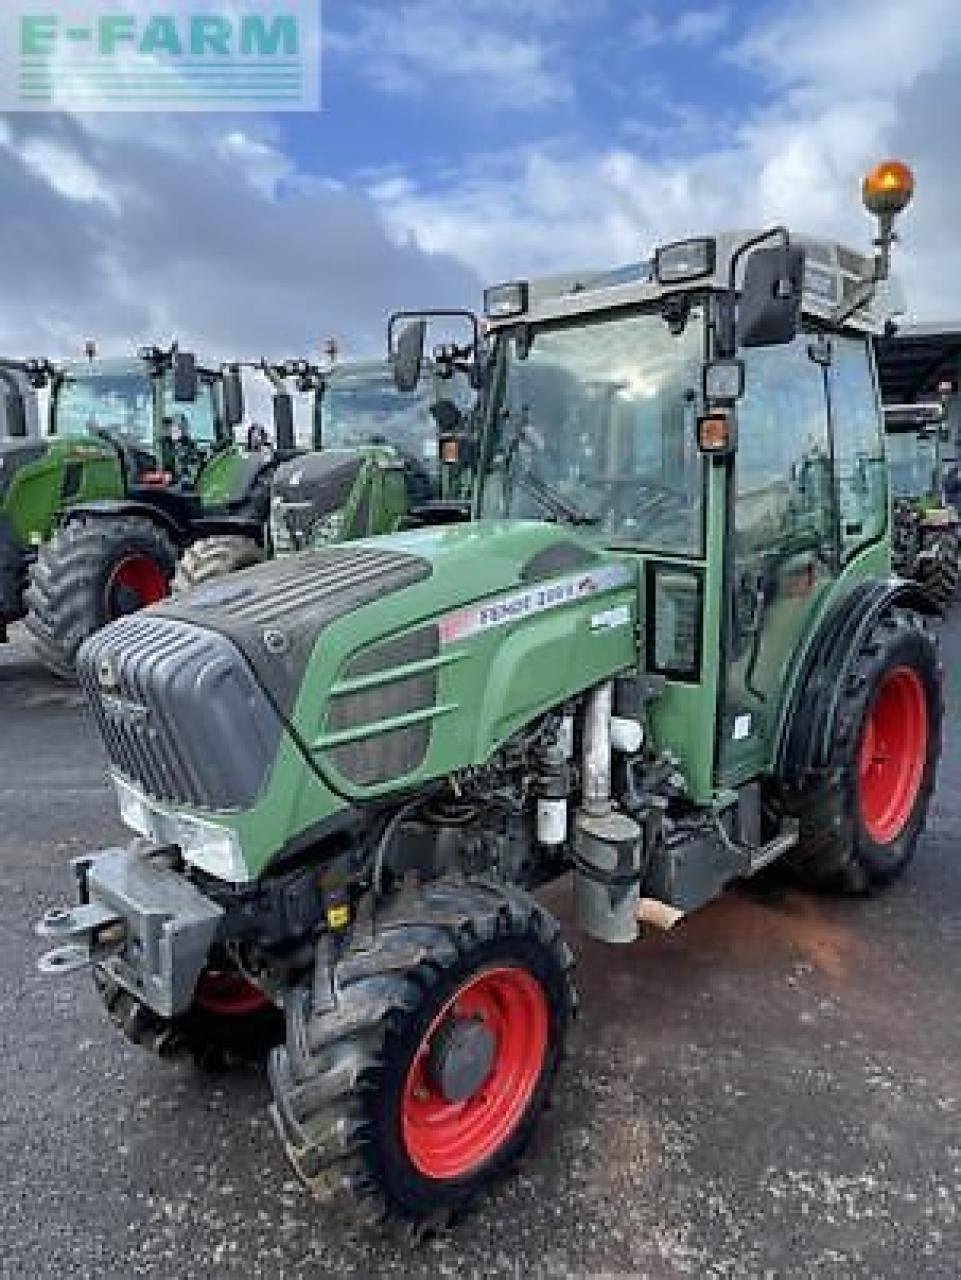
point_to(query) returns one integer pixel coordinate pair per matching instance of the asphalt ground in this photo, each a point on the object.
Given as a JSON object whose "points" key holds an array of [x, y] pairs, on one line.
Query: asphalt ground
{"points": [[772, 1090]]}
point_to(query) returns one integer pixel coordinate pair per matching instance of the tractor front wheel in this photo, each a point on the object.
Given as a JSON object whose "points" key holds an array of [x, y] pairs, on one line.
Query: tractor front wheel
{"points": [[216, 557], [861, 829], [422, 1085], [91, 572]]}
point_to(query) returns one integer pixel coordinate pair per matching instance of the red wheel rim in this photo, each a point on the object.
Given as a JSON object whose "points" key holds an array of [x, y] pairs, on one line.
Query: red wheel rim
{"points": [[137, 581], [229, 995], [892, 755], [449, 1139]]}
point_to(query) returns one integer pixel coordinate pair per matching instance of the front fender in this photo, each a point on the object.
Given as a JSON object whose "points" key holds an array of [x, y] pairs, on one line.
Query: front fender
{"points": [[807, 730]]}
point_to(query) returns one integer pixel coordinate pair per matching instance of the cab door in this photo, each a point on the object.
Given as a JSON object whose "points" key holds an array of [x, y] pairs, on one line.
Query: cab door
{"points": [[783, 547]]}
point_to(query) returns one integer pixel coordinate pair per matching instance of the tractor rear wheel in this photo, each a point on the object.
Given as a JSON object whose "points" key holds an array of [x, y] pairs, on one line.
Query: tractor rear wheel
{"points": [[230, 1020], [91, 572], [861, 830], [423, 1083], [214, 558], [939, 569]]}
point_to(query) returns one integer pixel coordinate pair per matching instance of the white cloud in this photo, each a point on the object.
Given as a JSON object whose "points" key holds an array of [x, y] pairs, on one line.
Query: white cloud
{"points": [[489, 51], [67, 173], [267, 265], [686, 27], [841, 86]]}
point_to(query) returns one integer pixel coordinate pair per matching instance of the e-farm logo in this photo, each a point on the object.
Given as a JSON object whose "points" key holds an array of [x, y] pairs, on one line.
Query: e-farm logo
{"points": [[175, 57]]}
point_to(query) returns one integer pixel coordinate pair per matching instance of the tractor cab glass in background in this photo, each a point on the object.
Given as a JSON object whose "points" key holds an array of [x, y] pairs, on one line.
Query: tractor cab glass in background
{"points": [[199, 418], [597, 426], [361, 405], [913, 463], [119, 405]]}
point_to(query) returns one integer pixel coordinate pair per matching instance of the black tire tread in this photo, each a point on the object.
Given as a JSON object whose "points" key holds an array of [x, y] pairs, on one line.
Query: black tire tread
{"points": [[329, 1061], [826, 855], [63, 599], [215, 557]]}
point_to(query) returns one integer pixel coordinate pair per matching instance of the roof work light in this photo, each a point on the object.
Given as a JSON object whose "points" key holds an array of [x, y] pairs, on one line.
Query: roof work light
{"points": [[888, 188]]}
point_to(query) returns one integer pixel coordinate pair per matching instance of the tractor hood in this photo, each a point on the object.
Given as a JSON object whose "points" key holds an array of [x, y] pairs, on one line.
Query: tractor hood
{"points": [[277, 612], [282, 697]]}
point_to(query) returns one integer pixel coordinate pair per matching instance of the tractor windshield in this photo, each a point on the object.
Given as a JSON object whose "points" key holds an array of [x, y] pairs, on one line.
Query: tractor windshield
{"points": [[596, 425], [912, 464], [363, 406], [119, 404], [198, 418]]}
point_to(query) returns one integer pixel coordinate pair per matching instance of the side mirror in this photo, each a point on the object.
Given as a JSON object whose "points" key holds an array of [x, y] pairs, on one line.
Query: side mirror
{"points": [[185, 377], [769, 311], [408, 357], [16, 414], [233, 398], [284, 422]]}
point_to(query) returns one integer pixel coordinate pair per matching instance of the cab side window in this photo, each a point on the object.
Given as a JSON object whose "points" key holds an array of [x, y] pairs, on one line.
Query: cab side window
{"points": [[783, 467], [858, 445]]}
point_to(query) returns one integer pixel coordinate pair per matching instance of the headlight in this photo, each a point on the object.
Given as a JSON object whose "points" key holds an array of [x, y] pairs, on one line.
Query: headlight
{"points": [[204, 845], [685, 260], [505, 300]]}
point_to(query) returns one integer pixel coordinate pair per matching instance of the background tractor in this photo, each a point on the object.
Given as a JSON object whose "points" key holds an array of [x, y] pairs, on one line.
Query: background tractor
{"points": [[666, 653], [379, 459], [137, 462], [926, 545], [370, 461]]}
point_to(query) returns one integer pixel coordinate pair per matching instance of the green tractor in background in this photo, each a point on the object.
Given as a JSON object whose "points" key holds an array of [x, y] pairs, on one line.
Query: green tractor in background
{"points": [[371, 461], [665, 653], [926, 543], [380, 460], [138, 462]]}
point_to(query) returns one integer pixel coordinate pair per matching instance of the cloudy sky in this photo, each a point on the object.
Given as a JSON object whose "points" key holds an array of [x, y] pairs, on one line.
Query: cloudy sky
{"points": [[465, 141]]}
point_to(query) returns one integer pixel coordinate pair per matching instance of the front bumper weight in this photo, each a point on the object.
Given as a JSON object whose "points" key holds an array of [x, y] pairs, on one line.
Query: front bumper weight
{"points": [[142, 921]]}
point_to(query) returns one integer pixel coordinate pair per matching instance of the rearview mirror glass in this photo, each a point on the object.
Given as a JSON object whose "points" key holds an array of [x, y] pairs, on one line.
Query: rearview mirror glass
{"points": [[233, 398], [185, 377], [283, 422], [15, 413], [408, 357], [769, 310]]}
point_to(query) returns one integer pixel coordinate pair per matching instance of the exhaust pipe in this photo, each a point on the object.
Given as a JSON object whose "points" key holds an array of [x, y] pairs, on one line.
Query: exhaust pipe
{"points": [[607, 843]]}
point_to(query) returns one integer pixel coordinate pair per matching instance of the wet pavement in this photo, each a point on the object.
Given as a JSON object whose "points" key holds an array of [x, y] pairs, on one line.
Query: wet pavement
{"points": [[772, 1090]]}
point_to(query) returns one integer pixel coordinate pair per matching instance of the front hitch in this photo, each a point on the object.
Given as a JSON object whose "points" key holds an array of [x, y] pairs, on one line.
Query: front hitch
{"points": [[89, 934]]}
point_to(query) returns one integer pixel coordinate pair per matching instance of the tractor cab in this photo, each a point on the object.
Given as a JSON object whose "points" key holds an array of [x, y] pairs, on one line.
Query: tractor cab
{"points": [[925, 541], [379, 460], [914, 437], [160, 411]]}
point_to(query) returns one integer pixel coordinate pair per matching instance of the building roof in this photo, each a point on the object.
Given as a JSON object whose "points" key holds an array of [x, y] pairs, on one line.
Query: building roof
{"points": [[913, 361]]}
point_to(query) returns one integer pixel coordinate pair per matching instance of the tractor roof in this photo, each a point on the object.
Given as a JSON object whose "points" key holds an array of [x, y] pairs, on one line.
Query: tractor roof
{"points": [[833, 273], [111, 367]]}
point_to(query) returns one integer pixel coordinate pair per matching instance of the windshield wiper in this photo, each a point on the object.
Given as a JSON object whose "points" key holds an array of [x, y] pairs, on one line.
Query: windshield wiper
{"points": [[559, 506]]}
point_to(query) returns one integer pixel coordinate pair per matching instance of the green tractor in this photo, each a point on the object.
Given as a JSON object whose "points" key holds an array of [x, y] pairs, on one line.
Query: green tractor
{"points": [[926, 544], [380, 459], [377, 460], [666, 653], [137, 463]]}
